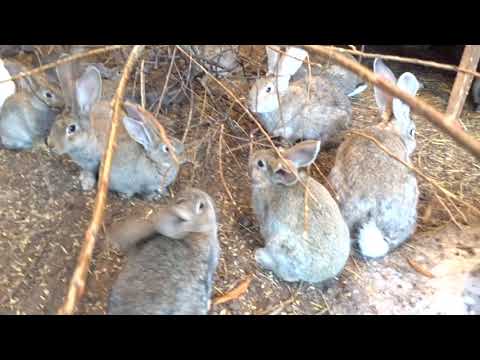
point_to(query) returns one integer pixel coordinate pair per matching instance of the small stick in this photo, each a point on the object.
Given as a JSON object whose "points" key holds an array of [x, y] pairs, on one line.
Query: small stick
{"points": [[142, 84], [220, 165], [160, 100], [77, 284]]}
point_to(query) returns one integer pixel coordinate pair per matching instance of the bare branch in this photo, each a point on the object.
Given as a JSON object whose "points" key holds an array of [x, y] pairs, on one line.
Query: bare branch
{"points": [[77, 284]]}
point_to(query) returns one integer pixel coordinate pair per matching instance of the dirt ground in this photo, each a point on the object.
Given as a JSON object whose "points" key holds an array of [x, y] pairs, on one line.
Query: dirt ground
{"points": [[44, 214]]}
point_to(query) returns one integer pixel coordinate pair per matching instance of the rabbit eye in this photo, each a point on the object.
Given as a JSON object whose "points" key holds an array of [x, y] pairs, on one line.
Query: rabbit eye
{"points": [[268, 89], [165, 149], [71, 129], [260, 163], [412, 132], [48, 95]]}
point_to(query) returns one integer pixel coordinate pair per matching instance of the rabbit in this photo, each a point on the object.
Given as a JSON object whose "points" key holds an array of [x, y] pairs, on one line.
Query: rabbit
{"points": [[476, 94], [377, 194], [26, 116], [142, 163], [348, 82], [278, 200], [292, 111], [218, 59], [171, 259]]}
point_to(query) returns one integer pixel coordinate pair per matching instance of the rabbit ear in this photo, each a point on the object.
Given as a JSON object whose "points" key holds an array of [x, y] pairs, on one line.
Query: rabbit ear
{"points": [[291, 61], [383, 99], [66, 77], [304, 153], [88, 89], [273, 55], [138, 132], [408, 83]]}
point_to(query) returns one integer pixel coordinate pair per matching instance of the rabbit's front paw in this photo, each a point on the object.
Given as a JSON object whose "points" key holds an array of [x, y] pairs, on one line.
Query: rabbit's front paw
{"points": [[264, 259], [87, 180]]}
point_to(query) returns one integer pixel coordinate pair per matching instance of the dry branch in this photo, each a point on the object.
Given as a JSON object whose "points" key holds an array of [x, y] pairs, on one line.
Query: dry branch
{"points": [[417, 105], [77, 284]]}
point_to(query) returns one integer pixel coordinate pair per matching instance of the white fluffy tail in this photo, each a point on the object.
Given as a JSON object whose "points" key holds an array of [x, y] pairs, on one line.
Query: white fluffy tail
{"points": [[371, 241], [359, 89], [7, 88]]}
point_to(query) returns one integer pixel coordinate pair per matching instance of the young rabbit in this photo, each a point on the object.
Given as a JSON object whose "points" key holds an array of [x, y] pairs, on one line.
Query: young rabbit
{"points": [[142, 163], [218, 59], [294, 111], [377, 194], [278, 200], [27, 115], [171, 259]]}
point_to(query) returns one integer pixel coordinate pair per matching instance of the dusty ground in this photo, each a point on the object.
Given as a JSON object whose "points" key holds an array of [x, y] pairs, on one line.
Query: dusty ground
{"points": [[43, 216]]}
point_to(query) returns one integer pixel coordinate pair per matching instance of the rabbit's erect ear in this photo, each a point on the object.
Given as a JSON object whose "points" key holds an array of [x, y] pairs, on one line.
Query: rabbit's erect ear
{"points": [[138, 132], [290, 62], [88, 89], [66, 77], [272, 55], [383, 99], [304, 153], [408, 83]]}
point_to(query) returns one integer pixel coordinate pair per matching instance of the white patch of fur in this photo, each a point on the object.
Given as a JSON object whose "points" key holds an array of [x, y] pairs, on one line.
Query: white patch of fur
{"points": [[7, 88], [358, 90], [371, 241]]}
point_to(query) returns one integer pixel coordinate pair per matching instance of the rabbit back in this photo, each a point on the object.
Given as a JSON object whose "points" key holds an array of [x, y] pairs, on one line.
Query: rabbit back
{"points": [[24, 121], [318, 257], [327, 114], [164, 276], [373, 186]]}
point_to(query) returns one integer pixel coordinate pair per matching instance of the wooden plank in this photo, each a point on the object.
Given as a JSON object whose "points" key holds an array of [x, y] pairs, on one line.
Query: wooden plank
{"points": [[463, 82]]}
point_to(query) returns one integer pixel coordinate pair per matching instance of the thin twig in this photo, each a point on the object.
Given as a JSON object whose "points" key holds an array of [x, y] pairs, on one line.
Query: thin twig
{"points": [[190, 114], [77, 284], [448, 211], [142, 84], [220, 166], [160, 100]]}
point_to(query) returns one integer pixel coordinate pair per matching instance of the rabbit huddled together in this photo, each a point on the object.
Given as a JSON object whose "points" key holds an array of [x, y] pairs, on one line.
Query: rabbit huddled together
{"points": [[308, 234]]}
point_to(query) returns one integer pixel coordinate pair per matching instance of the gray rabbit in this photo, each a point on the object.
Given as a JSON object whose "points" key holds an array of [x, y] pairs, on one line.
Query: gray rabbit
{"points": [[142, 164], [299, 110], [278, 200], [377, 194], [171, 259], [27, 113]]}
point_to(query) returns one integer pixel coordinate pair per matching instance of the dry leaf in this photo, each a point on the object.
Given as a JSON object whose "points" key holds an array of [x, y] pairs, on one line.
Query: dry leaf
{"points": [[420, 269], [235, 293]]}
